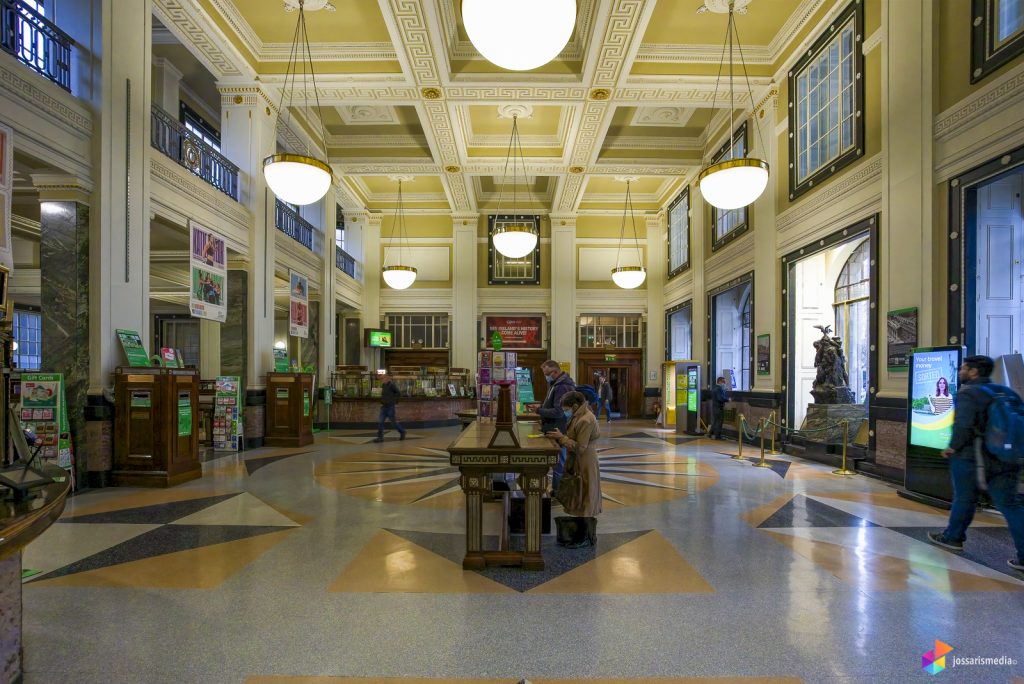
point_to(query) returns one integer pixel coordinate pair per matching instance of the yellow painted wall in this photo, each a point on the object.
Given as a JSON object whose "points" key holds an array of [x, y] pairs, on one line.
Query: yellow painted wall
{"points": [[420, 225]]}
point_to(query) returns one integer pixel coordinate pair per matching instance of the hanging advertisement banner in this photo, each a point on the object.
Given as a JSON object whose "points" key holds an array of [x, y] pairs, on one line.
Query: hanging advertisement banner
{"points": [[516, 332], [298, 295], [209, 275]]}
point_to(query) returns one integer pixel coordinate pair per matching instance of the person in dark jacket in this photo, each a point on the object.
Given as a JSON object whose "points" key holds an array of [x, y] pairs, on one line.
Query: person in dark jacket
{"points": [[389, 396], [719, 398], [604, 398], [969, 423], [550, 412]]}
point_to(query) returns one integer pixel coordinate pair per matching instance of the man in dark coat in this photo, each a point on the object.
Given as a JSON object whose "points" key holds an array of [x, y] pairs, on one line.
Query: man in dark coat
{"points": [[719, 398], [389, 396], [550, 412], [1000, 478]]}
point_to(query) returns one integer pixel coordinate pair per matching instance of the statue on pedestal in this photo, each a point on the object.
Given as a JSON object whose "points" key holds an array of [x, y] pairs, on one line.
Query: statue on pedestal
{"points": [[831, 383]]}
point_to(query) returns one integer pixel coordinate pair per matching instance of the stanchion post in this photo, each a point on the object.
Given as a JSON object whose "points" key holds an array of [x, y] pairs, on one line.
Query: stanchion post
{"points": [[761, 463], [775, 430], [739, 437], [846, 438]]}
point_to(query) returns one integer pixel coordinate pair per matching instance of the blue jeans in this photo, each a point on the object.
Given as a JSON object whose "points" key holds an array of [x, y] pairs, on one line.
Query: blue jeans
{"points": [[387, 412], [607, 406], [557, 470], [1002, 488]]}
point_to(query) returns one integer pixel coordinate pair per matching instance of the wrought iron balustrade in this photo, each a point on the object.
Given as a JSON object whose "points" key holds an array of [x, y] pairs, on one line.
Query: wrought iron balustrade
{"points": [[294, 226], [36, 42], [344, 261], [168, 135]]}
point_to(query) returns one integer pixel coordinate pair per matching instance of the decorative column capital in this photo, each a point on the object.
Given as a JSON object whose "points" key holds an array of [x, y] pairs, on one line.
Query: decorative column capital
{"points": [[563, 221], [462, 219], [251, 94], [53, 187]]}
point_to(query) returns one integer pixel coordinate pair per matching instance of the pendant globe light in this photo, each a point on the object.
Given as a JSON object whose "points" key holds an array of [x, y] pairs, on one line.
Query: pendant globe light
{"points": [[515, 238], [628, 277], [519, 35], [398, 276], [734, 183], [298, 178]]}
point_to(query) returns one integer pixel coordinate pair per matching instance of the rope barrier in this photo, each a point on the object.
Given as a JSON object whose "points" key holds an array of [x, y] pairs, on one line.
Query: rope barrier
{"points": [[742, 432]]}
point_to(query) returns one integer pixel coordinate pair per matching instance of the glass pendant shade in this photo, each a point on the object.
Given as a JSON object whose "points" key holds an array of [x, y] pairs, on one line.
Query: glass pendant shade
{"points": [[399, 277], [734, 183], [515, 241], [519, 35], [297, 179], [629, 277]]}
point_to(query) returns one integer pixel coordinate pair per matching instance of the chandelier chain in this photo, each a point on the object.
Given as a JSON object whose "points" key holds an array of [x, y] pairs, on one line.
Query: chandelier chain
{"points": [[300, 51], [628, 206], [714, 97], [750, 91]]}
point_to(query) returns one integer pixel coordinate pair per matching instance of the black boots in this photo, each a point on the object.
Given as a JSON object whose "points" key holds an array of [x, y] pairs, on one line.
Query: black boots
{"points": [[575, 532]]}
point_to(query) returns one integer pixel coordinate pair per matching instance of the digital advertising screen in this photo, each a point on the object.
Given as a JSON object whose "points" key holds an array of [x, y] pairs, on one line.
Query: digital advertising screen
{"points": [[691, 399], [933, 384], [380, 338]]}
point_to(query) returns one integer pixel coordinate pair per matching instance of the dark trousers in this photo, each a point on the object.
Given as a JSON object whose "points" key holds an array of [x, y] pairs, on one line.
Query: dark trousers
{"points": [[717, 414], [1002, 488], [388, 412], [607, 406]]}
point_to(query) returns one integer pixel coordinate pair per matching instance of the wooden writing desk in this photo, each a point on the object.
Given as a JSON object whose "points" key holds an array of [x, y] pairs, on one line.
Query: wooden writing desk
{"points": [[476, 461]]}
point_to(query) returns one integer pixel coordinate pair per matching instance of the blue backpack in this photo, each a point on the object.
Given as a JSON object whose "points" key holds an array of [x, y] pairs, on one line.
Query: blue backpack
{"points": [[1004, 434], [588, 392]]}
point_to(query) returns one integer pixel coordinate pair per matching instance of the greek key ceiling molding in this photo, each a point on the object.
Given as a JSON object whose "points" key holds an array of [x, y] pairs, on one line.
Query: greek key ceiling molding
{"points": [[32, 91], [1004, 92], [411, 24], [627, 20], [667, 53], [189, 22], [867, 173], [643, 142], [181, 184], [345, 142]]}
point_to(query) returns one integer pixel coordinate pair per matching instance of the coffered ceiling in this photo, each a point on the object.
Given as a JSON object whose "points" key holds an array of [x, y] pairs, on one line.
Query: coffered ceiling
{"points": [[403, 91]]}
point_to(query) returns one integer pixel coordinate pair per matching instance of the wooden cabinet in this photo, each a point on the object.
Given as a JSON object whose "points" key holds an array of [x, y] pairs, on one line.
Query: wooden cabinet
{"points": [[156, 440], [290, 401]]}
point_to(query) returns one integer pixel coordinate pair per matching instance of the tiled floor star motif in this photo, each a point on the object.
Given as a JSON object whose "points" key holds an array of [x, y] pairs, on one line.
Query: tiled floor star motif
{"points": [[423, 476]]}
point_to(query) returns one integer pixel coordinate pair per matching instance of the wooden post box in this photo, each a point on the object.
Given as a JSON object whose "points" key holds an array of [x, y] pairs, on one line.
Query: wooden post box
{"points": [[156, 440], [290, 402]]}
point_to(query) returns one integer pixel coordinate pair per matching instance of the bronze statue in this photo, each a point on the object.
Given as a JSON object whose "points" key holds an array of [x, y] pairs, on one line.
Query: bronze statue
{"points": [[831, 382]]}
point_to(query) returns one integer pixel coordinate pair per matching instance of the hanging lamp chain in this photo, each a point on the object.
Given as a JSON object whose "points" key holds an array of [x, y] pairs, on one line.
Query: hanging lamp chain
{"points": [[714, 96], [732, 88], [750, 91], [300, 50]]}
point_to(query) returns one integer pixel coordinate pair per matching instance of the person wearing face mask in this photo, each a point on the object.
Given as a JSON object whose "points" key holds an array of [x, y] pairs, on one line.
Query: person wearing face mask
{"points": [[550, 412], [579, 526]]}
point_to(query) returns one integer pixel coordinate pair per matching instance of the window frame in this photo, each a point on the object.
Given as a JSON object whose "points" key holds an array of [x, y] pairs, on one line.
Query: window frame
{"points": [[738, 136], [797, 187], [187, 116], [494, 257], [685, 265], [669, 313], [625, 324], [16, 329], [438, 322], [983, 60], [712, 304]]}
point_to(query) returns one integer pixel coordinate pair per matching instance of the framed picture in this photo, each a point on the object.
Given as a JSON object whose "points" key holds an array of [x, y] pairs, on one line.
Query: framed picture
{"points": [[764, 354], [997, 35], [901, 337]]}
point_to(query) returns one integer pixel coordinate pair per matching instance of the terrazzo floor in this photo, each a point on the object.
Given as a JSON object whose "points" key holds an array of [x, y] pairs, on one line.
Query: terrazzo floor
{"points": [[339, 563]]}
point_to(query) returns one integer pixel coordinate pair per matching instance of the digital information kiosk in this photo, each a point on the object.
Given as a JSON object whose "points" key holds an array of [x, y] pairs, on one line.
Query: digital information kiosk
{"points": [[688, 397], [933, 381]]}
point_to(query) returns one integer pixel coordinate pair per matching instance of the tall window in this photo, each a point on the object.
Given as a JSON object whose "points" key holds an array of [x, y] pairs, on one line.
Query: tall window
{"points": [[679, 233], [826, 92], [853, 316], [611, 330], [32, 44], [732, 333], [199, 126], [679, 327], [339, 229], [418, 331], [729, 224], [997, 35], [28, 327]]}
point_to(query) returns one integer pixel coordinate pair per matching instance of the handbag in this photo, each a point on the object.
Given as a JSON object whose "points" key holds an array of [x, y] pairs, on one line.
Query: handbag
{"points": [[570, 487]]}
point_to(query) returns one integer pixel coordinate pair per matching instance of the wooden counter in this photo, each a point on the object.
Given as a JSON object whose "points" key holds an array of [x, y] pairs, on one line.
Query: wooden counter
{"points": [[476, 460]]}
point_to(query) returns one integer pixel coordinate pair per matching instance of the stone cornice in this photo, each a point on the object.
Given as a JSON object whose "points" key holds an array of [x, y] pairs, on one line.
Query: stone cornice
{"points": [[1003, 92], [44, 97]]}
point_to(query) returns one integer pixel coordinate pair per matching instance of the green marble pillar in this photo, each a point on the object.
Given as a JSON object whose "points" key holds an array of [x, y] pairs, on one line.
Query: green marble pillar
{"points": [[311, 345], [64, 291], [234, 333]]}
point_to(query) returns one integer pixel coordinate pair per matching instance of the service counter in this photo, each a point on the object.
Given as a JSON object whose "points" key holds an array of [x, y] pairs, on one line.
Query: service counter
{"points": [[413, 412]]}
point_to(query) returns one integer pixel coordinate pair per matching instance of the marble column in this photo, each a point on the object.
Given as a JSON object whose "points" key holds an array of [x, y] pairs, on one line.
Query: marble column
{"points": [[233, 332], [464, 281], [563, 281], [657, 228], [64, 293]]}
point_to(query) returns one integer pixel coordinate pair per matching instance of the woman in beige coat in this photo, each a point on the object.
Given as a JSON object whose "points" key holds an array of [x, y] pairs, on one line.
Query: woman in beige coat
{"points": [[580, 441]]}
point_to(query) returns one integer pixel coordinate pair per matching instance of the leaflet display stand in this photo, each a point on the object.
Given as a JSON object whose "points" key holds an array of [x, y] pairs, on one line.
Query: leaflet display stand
{"points": [[156, 440], [290, 398]]}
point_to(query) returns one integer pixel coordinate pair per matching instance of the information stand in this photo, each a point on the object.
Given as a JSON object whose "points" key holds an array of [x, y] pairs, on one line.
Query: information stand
{"points": [[43, 410], [156, 440], [227, 423], [495, 367], [290, 400], [688, 398]]}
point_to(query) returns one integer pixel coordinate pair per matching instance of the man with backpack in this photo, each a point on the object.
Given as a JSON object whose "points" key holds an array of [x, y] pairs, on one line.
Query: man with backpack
{"points": [[984, 452]]}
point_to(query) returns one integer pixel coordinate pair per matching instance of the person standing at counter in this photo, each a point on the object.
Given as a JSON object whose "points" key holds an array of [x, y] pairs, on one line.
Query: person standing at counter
{"points": [[579, 525], [389, 396], [550, 412]]}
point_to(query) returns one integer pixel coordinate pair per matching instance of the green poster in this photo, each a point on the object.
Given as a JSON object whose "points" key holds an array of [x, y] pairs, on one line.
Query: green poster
{"points": [[134, 351], [305, 402], [280, 360], [184, 415]]}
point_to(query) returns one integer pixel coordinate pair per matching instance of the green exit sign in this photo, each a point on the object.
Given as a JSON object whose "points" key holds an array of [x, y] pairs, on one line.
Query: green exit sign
{"points": [[609, 357]]}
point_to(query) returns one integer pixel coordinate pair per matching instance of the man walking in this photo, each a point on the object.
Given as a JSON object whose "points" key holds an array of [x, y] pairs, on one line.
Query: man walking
{"points": [[389, 396], [973, 400], [604, 398], [550, 412], [719, 398]]}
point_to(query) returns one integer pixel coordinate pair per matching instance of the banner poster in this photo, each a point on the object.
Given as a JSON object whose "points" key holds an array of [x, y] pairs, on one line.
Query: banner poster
{"points": [[901, 335], [298, 295], [208, 291], [516, 332]]}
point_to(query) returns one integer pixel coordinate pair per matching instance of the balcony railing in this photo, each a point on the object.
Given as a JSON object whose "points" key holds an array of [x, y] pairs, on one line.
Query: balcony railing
{"points": [[170, 136], [36, 42], [294, 226], [344, 261]]}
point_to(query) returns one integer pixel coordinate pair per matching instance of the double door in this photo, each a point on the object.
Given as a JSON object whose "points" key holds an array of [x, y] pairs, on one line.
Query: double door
{"points": [[624, 374]]}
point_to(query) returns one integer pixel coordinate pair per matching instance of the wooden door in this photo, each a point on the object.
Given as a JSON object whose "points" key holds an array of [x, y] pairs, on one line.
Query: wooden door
{"points": [[625, 374]]}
